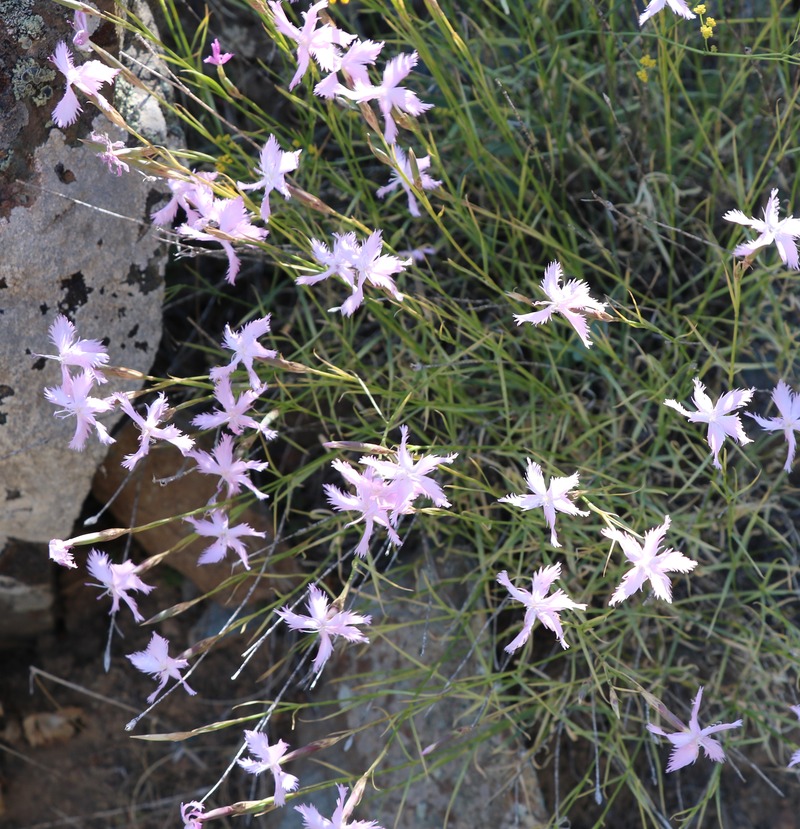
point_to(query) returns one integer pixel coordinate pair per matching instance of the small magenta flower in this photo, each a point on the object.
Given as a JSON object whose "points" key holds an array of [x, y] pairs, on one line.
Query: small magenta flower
{"points": [[217, 58], [687, 742], [231, 470], [538, 605], [788, 422], [111, 154], [680, 7], [157, 662], [551, 499], [781, 232], [648, 563], [227, 537], [328, 622], [269, 759], [312, 819], [88, 77], [571, 300], [192, 814], [721, 423], [83, 31], [118, 580]]}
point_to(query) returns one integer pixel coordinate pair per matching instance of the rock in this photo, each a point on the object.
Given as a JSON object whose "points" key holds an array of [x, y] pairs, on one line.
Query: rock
{"points": [[75, 240]]}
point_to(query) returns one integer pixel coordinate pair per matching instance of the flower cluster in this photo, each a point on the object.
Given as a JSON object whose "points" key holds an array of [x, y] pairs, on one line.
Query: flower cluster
{"points": [[387, 489]]}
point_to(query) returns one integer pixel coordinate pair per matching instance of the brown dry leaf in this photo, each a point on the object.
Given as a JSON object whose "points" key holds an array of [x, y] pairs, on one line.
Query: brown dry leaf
{"points": [[52, 727]]}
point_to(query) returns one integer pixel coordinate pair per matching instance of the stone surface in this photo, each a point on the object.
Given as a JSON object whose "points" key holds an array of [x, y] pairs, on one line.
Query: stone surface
{"points": [[75, 240]]}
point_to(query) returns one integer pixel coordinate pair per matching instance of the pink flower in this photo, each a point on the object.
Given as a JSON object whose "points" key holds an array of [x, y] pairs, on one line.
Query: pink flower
{"points": [[273, 165], [61, 553], [687, 742], [88, 77], [246, 348], [771, 230], [538, 605], [648, 563], [721, 422], [232, 414], [409, 477], [328, 622], [225, 221], [390, 95], [75, 401], [231, 471], [218, 526], [312, 819], [373, 498], [117, 579], [551, 499], [150, 430], [155, 660], [111, 154], [269, 760], [83, 31], [572, 301], [353, 64], [193, 197], [403, 176], [192, 814], [357, 264], [788, 404], [680, 7], [89, 355], [217, 58], [319, 43]]}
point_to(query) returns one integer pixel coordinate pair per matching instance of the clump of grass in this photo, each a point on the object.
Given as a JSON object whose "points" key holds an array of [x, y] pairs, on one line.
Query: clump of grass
{"points": [[553, 143]]}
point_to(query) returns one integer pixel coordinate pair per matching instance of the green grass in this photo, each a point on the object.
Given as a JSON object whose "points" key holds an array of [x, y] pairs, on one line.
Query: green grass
{"points": [[549, 147]]}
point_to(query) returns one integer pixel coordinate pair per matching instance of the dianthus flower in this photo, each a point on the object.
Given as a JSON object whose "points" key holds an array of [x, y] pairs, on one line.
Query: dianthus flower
{"points": [[538, 605], [551, 499], [61, 553], [232, 471], [312, 819], [327, 621], [269, 759], [150, 430], [353, 64], [687, 742], [571, 300], [403, 176], [273, 165], [156, 661], [781, 232], [217, 58], [232, 411], [218, 526], [90, 355], [246, 348], [788, 422], [75, 400], [680, 7], [118, 580], [648, 563], [88, 77], [796, 756], [721, 423]]}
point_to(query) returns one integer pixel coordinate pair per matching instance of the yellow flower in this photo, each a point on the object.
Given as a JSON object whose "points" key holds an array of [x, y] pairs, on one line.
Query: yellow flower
{"points": [[706, 31], [647, 62], [710, 22], [642, 75], [701, 9]]}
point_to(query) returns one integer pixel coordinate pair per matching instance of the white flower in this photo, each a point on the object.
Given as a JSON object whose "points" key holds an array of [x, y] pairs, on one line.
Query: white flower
{"points": [[782, 232], [788, 404]]}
